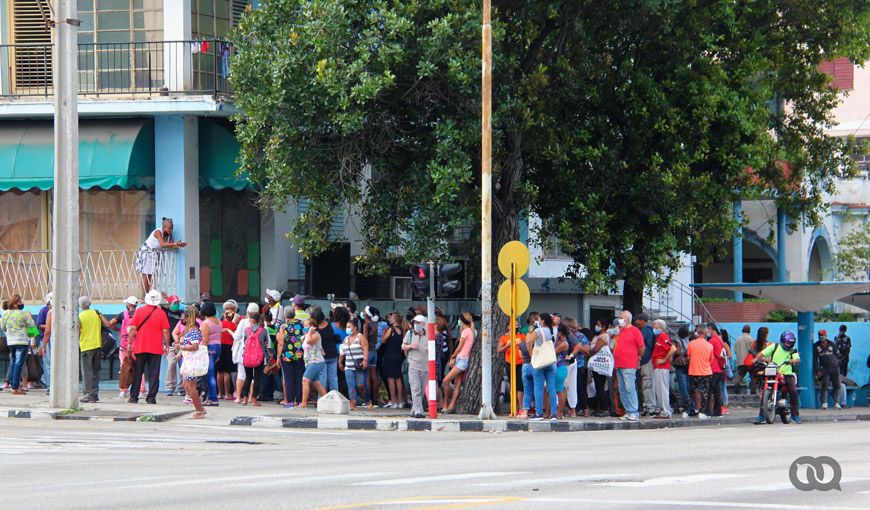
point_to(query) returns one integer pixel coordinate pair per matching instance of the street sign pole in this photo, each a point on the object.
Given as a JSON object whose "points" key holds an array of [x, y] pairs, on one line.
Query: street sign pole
{"points": [[512, 347], [486, 220], [513, 299], [430, 325], [66, 266]]}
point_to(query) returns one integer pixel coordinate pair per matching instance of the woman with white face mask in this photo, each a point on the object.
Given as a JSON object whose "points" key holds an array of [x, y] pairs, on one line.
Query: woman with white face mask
{"points": [[416, 348], [353, 360], [602, 339]]}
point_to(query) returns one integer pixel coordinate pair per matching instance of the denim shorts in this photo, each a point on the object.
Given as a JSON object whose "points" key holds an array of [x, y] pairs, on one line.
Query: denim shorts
{"points": [[373, 358], [561, 374], [313, 371], [461, 363]]}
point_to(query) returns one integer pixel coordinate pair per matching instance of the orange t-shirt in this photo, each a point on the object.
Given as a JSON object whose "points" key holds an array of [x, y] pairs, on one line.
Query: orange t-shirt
{"points": [[505, 339], [700, 353]]}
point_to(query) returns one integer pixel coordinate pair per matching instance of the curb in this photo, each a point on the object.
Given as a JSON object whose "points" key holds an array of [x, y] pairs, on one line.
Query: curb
{"points": [[416, 425], [56, 415]]}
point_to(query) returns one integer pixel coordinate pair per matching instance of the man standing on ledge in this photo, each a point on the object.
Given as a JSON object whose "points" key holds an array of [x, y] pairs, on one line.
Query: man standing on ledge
{"points": [[150, 339]]}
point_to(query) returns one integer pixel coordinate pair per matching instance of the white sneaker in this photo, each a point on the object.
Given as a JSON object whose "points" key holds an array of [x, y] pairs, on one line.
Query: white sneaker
{"points": [[122, 394], [837, 406], [685, 415], [632, 417], [702, 416], [825, 406]]}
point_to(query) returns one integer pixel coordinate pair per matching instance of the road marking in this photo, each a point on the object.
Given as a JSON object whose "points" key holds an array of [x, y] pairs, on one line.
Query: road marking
{"points": [[579, 478], [441, 503], [671, 480], [706, 504], [442, 478]]}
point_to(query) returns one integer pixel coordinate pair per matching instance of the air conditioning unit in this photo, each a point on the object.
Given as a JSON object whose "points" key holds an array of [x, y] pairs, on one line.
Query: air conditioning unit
{"points": [[400, 288]]}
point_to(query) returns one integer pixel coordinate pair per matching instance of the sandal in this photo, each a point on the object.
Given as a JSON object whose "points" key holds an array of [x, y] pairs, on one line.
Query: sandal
{"points": [[198, 415]]}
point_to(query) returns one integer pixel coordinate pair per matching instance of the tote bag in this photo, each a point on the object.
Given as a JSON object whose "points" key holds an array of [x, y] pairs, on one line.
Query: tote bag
{"points": [[602, 362], [543, 355], [195, 363]]}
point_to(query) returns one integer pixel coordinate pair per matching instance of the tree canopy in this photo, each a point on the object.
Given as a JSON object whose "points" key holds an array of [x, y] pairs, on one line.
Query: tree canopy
{"points": [[628, 127]]}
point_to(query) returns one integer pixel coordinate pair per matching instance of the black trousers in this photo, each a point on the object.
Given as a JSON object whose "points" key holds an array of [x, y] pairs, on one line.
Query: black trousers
{"points": [[292, 372], [146, 364], [602, 402], [582, 400], [715, 394], [254, 374], [832, 375]]}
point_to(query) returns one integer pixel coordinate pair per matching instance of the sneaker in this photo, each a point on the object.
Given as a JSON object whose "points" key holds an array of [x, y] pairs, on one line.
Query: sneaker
{"points": [[536, 417], [724, 410], [89, 400], [825, 406], [702, 416], [759, 420], [523, 413], [554, 419], [210, 403], [132, 400], [188, 400], [288, 405], [631, 417], [685, 415], [796, 419], [122, 394], [837, 406], [170, 392]]}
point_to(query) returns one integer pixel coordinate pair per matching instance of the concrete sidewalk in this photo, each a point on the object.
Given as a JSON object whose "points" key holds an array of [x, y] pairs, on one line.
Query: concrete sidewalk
{"points": [[111, 408]]}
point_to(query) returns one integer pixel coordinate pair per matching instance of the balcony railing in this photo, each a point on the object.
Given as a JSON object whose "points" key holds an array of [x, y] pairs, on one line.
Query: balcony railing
{"points": [[158, 68], [106, 275]]}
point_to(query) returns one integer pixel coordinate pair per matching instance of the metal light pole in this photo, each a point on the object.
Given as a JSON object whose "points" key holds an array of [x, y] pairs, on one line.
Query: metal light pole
{"points": [[66, 266], [430, 328], [486, 219]]}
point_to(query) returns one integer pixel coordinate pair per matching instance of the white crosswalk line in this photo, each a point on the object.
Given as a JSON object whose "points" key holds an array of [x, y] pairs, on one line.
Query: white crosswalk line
{"points": [[672, 480], [442, 478], [579, 478]]}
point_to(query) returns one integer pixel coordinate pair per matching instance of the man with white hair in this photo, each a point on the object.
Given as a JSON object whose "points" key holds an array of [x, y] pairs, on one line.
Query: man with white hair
{"points": [[91, 325], [149, 337], [626, 355], [662, 353]]}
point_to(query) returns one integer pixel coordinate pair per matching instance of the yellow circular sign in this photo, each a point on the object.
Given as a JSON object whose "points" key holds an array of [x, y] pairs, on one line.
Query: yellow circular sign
{"points": [[523, 298], [515, 253]]}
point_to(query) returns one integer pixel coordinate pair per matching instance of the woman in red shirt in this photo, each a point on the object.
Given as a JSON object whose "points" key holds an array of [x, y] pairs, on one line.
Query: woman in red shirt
{"points": [[225, 366]]}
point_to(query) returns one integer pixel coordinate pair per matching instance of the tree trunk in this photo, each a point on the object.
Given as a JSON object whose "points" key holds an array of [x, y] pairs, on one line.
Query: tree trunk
{"points": [[632, 297], [505, 227]]}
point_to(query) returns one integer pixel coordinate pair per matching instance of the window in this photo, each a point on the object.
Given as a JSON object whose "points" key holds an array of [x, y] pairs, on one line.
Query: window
{"points": [[115, 219], [552, 249], [23, 220], [842, 73], [32, 72]]}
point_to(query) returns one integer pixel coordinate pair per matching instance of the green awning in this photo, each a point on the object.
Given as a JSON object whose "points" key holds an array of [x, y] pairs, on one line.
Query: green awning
{"points": [[218, 152], [113, 153]]}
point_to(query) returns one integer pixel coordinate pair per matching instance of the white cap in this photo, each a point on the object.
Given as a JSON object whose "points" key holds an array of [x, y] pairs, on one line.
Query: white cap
{"points": [[420, 319], [49, 297], [253, 308], [152, 298], [274, 294], [132, 300], [231, 303]]}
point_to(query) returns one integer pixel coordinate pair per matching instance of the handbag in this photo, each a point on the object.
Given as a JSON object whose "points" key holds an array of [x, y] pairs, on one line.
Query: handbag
{"points": [[270, 367], [357, 363], [543, 355], [602, 362], [195, 363], [32, 331]]}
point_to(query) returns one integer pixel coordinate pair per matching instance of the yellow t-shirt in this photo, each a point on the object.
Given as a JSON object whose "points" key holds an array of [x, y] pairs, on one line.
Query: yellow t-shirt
{"points": [[90, 337]]}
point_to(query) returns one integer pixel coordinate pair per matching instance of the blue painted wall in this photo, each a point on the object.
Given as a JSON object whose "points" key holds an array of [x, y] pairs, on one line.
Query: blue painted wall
{"points": [[858, 331]]}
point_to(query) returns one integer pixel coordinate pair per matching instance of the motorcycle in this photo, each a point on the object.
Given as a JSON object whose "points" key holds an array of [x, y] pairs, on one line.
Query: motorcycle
{"points": [[771, 403]]}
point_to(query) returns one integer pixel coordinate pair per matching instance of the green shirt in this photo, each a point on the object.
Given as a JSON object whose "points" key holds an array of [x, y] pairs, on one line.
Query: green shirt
{"points": [[780, 356]]}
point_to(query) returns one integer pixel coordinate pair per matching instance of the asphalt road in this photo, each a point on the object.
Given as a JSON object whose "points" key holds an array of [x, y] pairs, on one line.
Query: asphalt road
{"points": [[51, 464]]}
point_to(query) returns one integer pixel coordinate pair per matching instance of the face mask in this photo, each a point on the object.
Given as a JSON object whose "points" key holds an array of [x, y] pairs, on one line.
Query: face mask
{"points": [[613, 331], [418, 328], [657, 332], [621, 323], [375, 318], [537, 324], [709, 335], [598, 329], [349, 331]]}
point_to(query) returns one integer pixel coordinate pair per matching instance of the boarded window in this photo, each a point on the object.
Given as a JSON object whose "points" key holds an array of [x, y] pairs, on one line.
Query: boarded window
{"points": [[842, 72], [32, 51]]}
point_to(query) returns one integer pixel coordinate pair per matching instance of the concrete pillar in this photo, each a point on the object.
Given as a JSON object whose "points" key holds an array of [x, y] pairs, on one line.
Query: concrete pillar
{"points": [[276, 253], [738, 248], [176, 193], [781, 234], [805, 351], [177, 59]]}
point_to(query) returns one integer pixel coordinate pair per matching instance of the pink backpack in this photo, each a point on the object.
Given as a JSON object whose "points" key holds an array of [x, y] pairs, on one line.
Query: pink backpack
{"points": [[253, 356]]}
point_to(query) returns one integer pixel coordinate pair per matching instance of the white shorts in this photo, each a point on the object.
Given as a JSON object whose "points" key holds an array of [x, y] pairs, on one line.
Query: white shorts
{"points": [[241, 375]]}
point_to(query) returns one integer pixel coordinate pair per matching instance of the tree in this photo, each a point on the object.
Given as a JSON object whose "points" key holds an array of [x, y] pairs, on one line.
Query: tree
{"points": [[629, 128], [852, 260]]}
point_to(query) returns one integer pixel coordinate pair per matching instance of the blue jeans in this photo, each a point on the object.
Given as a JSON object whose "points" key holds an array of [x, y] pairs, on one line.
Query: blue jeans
{"points": [[46, 368], [683, 384], [17, 356], [214, 352], [356, 382], [528, 385], [329, 377], [548, 375], [627, 389]]}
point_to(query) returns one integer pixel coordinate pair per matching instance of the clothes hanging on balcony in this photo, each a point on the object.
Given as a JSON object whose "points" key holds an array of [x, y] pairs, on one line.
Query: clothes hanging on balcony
{"points": [[225, 59], [196, 46]]}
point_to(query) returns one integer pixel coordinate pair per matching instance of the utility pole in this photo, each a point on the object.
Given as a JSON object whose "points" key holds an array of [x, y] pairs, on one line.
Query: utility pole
{"points": [[486, 219], [66, 266], [432, 387]]}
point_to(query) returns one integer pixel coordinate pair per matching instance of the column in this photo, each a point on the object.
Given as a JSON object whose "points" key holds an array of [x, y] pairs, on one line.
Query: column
{"points": [[738, 248], [276, 253], [805, 351], [177, 60], [781, 234], [176, 194]]}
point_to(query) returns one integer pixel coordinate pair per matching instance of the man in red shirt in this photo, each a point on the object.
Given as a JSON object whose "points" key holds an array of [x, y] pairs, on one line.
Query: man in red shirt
{"points": [[700, 354], [626, 355], [718, 367], [149, 336], [662, 353]]}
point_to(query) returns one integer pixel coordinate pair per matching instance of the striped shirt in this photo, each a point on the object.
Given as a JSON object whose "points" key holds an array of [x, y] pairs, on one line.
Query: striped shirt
{"points": [[352, 351]]}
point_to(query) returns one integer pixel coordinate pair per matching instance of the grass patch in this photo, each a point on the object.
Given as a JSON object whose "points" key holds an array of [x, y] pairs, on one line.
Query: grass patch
{"points": [[67, 412], [147, 418]]}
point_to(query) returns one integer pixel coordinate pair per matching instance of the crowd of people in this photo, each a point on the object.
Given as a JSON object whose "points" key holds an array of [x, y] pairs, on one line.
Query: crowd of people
{"points": [[621, 367]]}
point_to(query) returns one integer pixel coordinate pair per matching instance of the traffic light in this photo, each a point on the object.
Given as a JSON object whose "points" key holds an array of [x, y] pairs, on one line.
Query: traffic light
{"points": [[446, 285], [419, 279]]}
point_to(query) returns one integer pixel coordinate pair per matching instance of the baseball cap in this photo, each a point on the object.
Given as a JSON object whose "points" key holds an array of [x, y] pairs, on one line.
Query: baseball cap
{"points": [[49, 297], [132, 300], [173, 299], [642, 317], [273, 294], [420, 319], [823, 333], [298, 300]]}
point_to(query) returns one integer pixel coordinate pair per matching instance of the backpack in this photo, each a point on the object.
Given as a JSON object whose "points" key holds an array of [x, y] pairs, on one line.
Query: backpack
{"points": [[253, 356]]}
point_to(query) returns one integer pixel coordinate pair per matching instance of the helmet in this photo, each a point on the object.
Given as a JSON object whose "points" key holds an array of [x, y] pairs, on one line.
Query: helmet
{"points": [[787, 340]]}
